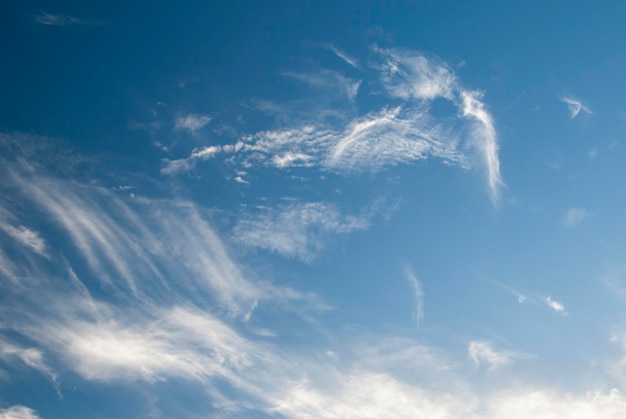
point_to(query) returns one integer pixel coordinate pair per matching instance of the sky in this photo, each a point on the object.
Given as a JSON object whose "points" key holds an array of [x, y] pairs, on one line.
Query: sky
{"points": [[312, 209]]}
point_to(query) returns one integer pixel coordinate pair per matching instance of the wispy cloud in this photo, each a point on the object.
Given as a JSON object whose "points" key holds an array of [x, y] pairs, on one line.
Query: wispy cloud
{"points": [[410, 75], [520, 297], [18, 412], [26, 237], [484, 138], [138, 246], [31, 357], [187, 163], [192, 122], [482, 352], [574, 216], [328, 79], [418, 292], [575, 106], [400, 134], [51, 19], [297, 229], [556, 306], [342, 54]]}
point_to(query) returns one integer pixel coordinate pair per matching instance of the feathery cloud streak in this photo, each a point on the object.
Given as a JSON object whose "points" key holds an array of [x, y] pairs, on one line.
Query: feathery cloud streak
{"points": [[401, 132], [482, 352], [115, 336], [418, 293], [575, 106]]}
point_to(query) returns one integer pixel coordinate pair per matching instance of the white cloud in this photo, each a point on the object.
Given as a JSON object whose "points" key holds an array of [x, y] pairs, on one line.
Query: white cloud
{"points": [[343, 55], [296, 230], [484, 139], [138, 246], [540, 403], [574, 216], [575, 106], [177, 342], [556, 306], [25, 237], [388, 138], [192, 122], [482, 352], [418, 293], [187, 163], [18, 412], [409, 75], [400, 134]]}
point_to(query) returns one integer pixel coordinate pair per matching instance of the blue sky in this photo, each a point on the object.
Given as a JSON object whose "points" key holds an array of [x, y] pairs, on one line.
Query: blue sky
{"points": [[312, 210]]}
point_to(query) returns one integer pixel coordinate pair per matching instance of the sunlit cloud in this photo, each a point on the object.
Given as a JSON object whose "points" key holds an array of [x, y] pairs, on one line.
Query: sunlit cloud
{"points": [[328, 79], [18, 412]]}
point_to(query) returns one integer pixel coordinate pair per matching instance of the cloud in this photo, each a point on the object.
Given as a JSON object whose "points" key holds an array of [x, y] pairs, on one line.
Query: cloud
{"points": [[520, 297], [556, 306], [187, 163], [484, 138], [575, 106], [192, 122], [409, 75], [343, 55], [26, 237], [50, 19], [328, 80], [402, 131], [139, 247], [18, 412], [482, 352], [31, 357], [169, 343], [537, 403], [574, 216], [418, 293], [297, 229]]}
